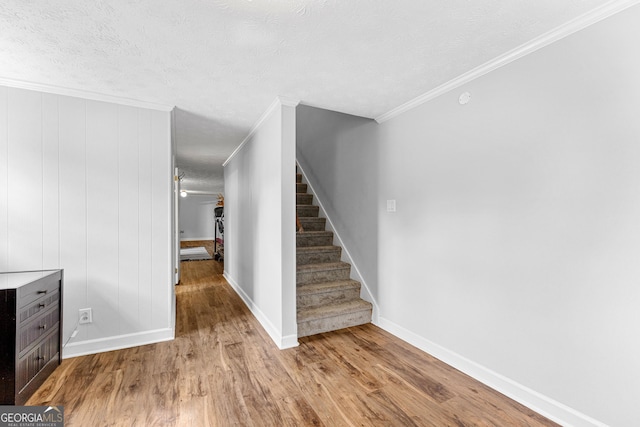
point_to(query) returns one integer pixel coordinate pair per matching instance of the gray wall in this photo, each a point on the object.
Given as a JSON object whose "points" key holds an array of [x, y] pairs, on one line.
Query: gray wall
{"points": [[514, 249]]}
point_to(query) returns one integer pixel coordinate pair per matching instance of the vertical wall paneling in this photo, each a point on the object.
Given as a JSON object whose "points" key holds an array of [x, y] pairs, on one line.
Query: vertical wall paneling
{"points": [[144, 219], [85, 186], [161, 185], [4, 184], [73, 211], [25, 179], [128, 215], [102, 217], [50, 182]]}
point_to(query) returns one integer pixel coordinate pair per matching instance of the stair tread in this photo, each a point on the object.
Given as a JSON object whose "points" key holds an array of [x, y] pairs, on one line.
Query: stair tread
{"points": [[312, 288], [305, 249], [324, 266], [311, 234], [330, 310]]}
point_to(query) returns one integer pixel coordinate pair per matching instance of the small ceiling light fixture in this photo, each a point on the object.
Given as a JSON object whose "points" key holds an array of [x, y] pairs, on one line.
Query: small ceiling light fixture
{"points": [[183, 193]]}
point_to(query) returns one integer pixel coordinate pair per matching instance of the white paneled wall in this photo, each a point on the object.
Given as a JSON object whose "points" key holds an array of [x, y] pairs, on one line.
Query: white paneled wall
{"points": [[24, 171], [86, 186]]}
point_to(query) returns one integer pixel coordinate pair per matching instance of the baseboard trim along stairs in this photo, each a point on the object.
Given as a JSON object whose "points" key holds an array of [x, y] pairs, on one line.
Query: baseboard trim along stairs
{"points": [[327, 298]]}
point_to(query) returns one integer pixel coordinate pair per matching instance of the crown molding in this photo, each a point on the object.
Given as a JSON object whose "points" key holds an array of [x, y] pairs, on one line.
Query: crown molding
{"points": [[77, 93], [573, 26], [277, 102]]}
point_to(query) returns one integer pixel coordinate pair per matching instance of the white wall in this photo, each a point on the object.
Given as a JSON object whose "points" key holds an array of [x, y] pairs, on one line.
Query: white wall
{"points": [[513, 252], [260, 222], [85, 186], [197, 221]]}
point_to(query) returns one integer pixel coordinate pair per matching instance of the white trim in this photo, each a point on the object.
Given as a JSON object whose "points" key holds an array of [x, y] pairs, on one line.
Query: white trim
{"points": [[201, 193], [288, 341], [576, 24], [196, 239], [77, 93], [288, 102], [538, 402], [280, 100], [283, 342], [346, 256], [82, 348]]}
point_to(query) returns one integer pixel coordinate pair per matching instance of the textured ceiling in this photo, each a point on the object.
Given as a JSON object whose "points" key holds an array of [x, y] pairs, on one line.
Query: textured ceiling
{"points": [[222, 62]]}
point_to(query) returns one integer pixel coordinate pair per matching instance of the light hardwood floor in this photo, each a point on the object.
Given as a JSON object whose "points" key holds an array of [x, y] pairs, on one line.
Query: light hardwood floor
{"points": [[223, 370]]}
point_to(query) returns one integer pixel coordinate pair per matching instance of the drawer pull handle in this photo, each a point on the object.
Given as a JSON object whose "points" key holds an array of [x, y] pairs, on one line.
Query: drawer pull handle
{"points": [[42, 292], [39, 358], [41, 305], [43, 326]]}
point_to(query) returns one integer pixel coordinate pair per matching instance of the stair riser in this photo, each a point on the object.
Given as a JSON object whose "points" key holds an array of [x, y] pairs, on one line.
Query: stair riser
{"points": [[334, 275], [313, 224], [298, 178], [307, 211], [301, 188], [335, 296], [305, 240], [304, 199], [333, 323], [318, 257]]}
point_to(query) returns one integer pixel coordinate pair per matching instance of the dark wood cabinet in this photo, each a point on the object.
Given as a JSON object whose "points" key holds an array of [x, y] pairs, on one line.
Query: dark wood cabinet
{"points": [[30, 332]]}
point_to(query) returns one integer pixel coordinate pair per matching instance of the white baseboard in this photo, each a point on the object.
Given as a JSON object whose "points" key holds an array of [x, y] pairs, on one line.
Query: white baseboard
{"points": [[538, 402], [288, 341], [82, 348], [283, 342]]}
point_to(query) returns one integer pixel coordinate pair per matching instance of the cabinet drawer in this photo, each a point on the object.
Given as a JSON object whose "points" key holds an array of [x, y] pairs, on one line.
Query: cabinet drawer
{"points": [[40, 326], [38, 306], [38, 289], [31, 363]]}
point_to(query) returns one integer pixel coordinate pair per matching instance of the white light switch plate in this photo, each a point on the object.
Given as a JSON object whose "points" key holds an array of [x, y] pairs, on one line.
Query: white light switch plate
{"points": [[391, 205]]}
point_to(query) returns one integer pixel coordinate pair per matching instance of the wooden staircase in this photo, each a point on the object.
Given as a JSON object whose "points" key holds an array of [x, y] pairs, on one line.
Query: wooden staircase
{"points": [[327, 299]]}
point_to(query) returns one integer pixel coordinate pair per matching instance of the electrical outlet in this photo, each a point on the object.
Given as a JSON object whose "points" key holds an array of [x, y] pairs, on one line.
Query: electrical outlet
{"points": [[86, 316]]}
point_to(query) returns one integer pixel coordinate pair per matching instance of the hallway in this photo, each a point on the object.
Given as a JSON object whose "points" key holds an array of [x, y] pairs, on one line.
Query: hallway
{"points": [[223, 369]]}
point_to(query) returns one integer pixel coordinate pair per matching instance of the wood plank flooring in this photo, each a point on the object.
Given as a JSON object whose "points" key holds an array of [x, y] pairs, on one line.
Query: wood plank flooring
{"points": [[223, 370]]}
